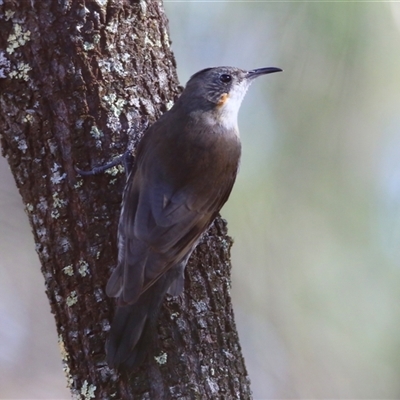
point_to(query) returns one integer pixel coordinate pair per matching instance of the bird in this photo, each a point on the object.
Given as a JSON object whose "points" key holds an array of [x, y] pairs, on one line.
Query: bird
{"points": [[185, 167]]}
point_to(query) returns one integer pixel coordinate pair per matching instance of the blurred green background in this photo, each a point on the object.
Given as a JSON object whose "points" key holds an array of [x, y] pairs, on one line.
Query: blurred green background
{"points": [[315, 213]]}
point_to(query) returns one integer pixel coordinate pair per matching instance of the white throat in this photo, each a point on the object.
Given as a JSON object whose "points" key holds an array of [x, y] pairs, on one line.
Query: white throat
{"points": [[229, 110]]}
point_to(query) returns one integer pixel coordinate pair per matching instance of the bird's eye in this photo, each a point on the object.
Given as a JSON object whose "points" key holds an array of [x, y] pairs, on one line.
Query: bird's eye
{"points": [[225, 78]]}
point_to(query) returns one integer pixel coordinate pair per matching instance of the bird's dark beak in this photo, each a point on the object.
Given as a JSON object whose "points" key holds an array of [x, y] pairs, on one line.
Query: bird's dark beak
{"points": [[262, 71]]}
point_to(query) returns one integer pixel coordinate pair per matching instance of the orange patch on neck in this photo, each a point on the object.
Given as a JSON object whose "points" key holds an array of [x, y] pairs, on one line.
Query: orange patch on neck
{"points": [[222, 100]]}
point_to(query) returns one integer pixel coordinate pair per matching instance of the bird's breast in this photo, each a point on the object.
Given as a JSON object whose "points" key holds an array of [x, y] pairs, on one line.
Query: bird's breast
{"points": [[203, 153]]}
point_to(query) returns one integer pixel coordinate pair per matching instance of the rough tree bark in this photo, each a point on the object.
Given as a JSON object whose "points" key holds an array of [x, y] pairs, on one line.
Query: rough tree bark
{"points": [[77, 77]]}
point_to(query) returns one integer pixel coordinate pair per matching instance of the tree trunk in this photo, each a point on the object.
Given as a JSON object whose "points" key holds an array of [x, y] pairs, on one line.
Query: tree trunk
{"points": [[77, 79]]}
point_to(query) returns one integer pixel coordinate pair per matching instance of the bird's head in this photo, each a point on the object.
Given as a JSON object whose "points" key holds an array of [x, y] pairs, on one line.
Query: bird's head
{"points": [[219, 91]]}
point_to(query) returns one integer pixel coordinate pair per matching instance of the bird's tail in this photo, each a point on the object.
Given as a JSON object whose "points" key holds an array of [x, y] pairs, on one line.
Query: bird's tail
{"points": [[132, 334]]}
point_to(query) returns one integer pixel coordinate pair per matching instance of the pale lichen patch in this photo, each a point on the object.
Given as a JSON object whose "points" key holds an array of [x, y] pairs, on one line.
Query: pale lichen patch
{"points": [[17, 38], [22, 145], [88, 46], [28, 118], [63, 351], [57, 178], [83, 268], [115, 170], [87, 391], [96, 38], [72, 299], [8, 14], [55, 214], [65, 358], [96, 132], [21, 71], [57, 202], [68, 270], [116, 104], [162, 358], [174, 316]]}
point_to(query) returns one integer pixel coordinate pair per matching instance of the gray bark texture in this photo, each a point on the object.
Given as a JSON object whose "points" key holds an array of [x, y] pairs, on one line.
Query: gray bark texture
{"points": [[79, 78]]}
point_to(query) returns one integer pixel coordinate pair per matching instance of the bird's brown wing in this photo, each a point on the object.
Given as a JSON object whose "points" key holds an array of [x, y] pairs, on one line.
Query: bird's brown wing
{"points": [[159, 226]]}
